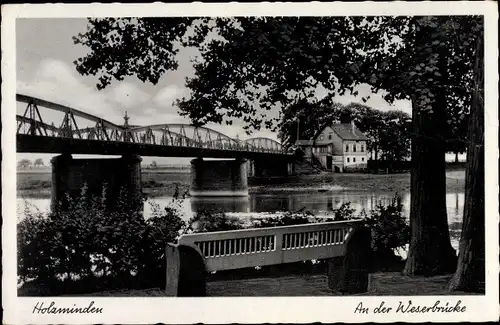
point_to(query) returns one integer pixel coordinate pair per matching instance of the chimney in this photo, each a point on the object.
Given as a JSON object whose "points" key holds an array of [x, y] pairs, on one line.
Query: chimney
{"points": [[353, 127]]}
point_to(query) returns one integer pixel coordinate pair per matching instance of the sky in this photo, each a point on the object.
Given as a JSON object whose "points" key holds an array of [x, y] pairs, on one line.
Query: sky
{"points": [[44, 65]]}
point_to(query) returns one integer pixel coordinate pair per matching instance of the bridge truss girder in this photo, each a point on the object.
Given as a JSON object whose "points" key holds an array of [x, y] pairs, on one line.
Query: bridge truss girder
{"points": [[178, 135]]}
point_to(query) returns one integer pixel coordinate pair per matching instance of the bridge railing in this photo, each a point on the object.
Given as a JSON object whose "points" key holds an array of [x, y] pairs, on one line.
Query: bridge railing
{"points": [[226, 250]]}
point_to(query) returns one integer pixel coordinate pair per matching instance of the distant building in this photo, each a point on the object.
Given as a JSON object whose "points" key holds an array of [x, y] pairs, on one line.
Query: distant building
{"points": [[338, 147]]}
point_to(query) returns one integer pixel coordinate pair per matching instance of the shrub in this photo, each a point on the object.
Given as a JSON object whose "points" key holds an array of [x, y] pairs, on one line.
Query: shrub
{"points": [[390, 230], [345, 212], [212, 220], [287, 218], [87, 240]]}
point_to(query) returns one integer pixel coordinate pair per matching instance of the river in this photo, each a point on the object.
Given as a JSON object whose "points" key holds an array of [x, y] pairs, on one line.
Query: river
{"points": [[262, 204]]}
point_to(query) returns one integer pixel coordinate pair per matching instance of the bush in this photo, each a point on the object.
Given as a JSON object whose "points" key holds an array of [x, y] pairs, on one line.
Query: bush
{"points": [[288, 218], [88, 241], [212, 220], [390, 230], [345, 212]]}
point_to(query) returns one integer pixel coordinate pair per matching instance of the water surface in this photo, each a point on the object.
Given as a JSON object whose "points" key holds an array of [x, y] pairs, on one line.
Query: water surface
{"points": [[265, 204]]}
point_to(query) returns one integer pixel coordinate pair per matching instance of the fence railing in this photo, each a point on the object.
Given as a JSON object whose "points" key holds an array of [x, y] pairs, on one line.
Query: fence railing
{"points": [[226, 250]]}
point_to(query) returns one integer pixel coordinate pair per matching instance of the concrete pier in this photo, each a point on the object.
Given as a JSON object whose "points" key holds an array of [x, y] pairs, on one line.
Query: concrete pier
{"points": [[118, 175], [218, 178], [266, 168]]}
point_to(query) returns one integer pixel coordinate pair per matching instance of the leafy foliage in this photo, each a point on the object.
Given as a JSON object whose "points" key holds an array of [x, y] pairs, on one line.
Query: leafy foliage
{"points": [[38, 162], [88, 241], [390, 230], [24, 164], [279, 62], [345, 212], [210, 220], [120, 47], [288, 218]]}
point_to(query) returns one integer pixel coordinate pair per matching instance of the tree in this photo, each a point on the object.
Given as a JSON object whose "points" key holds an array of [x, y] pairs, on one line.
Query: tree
{"points": [[38, 162], [24, 164], [470, 273], [394, 136], [260, 63], [457, 135], [143, 47], [370, 122], [306, 118]]}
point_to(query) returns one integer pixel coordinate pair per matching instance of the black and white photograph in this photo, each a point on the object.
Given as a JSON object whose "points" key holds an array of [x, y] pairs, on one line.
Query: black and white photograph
{"points": [[269, 155]]}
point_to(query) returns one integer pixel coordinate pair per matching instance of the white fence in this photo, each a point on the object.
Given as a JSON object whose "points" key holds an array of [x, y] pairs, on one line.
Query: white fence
{"points": [[235, 249]]}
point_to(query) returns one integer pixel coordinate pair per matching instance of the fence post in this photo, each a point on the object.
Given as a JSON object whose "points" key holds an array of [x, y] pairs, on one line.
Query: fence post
{"points": [[192, 272], [172, 270], [356, 262]]}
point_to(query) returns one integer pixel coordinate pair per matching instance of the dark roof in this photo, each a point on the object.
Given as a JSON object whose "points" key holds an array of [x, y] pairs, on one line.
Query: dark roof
{"points": [[344, 131]]}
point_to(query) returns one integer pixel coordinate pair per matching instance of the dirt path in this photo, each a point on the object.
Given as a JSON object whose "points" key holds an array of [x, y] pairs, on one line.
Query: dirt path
{"points": [[381, 284]]}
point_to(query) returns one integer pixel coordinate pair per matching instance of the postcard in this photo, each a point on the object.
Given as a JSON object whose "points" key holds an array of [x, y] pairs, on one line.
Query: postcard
{"points": [[250, 162]]}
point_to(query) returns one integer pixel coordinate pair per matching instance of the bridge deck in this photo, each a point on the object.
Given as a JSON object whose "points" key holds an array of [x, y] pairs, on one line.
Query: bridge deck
{"points": [[43, 144]]}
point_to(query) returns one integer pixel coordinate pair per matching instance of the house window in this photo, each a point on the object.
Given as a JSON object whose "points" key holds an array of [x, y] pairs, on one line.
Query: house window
{"points": [[362, 159], [321, 137], [348, 159], [353, 148], [323, 149], [362, 148], [330, 136], [346, 148], [353, 159]]}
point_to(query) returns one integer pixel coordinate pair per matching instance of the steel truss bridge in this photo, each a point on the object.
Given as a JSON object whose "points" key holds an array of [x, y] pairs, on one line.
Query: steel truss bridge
{"points": [[47, 127]]}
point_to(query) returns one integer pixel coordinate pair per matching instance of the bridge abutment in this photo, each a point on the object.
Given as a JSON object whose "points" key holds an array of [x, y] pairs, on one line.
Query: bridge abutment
{"points": [[218, 178], [113, 177]]}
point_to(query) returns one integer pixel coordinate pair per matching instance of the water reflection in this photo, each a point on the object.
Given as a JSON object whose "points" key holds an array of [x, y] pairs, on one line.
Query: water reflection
{"points": [[231, 204], [317, 203]]}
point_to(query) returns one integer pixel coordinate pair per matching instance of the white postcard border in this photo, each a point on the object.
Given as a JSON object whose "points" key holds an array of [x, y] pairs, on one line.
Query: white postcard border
{"points": [[245, 310]]}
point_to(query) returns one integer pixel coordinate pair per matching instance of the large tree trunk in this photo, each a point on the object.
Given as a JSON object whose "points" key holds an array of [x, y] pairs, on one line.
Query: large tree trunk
{"points": [[430, 250], [470, 273]]}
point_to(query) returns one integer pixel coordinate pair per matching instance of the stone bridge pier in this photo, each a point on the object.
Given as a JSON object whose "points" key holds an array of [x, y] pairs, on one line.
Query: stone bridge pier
{"points": [[270, 168], [114, 176], [218, 178]]}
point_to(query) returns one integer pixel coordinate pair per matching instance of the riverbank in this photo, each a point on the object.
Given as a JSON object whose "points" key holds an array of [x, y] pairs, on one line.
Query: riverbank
{"points": [[164, 183]]}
